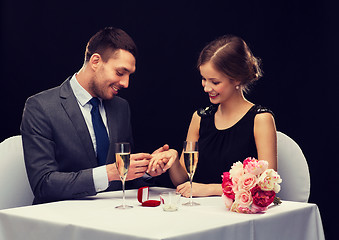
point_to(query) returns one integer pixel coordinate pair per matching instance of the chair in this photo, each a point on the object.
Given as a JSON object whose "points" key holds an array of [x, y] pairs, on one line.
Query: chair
{"points": [[293, 170], [15, 190]]}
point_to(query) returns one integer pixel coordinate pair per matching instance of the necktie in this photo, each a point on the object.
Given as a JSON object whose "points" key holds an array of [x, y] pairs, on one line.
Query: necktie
{"points": [[101, 136]]}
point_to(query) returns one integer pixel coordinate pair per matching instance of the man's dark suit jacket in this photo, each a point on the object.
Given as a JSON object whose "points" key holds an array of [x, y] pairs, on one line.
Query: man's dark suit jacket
{"points": [[58, 149]]}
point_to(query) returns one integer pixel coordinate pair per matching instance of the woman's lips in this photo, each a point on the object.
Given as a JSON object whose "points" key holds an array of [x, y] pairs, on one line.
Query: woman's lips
{"points": [[213, 95]]}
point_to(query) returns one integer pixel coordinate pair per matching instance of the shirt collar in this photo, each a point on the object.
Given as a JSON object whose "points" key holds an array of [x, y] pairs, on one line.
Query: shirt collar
{"points": [[80, 93]]}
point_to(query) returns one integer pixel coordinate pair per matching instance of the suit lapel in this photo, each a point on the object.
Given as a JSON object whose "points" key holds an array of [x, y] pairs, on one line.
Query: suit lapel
{"points": [[70, 105], [113, 131]]}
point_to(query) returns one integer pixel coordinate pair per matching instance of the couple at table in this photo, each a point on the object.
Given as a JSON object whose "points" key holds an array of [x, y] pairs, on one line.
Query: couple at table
{"points": [[69, 131]]}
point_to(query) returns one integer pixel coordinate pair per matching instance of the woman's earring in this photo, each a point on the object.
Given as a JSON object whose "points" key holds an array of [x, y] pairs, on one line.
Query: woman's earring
{"points": [[237, 87]]}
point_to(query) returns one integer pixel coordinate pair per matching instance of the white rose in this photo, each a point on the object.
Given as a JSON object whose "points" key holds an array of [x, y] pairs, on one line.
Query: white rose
{"points": [[236, 170], [269, 180]]}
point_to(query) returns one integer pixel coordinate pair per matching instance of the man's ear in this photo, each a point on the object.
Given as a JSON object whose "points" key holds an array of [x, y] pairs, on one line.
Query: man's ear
{"points": [[95, 61]]}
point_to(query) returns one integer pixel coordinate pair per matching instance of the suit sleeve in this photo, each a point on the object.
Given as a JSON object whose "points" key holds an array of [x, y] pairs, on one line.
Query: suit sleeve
{"points": [[129, 128], [48, 183]]}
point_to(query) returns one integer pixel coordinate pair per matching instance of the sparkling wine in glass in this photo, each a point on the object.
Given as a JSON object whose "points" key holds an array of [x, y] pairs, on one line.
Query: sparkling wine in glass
{"points": [[122, 161], [191, 161]]}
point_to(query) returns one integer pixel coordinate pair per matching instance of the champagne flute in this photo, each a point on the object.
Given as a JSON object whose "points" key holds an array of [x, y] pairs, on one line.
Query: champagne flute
{"points": [[191, 161], [122, 161]]}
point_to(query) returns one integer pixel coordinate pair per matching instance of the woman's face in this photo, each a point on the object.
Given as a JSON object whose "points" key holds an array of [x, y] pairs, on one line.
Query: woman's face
{"points": [[219, 87]]}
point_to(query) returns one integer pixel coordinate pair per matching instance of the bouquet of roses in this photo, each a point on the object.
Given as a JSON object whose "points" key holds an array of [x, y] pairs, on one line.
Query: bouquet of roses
{"points": [[250, 187]]}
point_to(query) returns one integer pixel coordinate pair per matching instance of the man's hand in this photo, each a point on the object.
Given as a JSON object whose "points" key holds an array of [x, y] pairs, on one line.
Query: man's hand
{"points": [[138, 166]]}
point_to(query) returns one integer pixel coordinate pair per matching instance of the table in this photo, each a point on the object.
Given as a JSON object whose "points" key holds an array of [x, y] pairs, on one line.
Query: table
{"points": [[96, 218]]}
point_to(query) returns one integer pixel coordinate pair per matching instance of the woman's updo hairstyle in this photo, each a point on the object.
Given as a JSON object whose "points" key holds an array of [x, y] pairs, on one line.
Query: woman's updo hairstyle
{"points": [[231, 56]]}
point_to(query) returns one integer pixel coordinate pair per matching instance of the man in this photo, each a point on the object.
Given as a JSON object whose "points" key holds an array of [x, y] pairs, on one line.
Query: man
{"points": [[68, 148]]}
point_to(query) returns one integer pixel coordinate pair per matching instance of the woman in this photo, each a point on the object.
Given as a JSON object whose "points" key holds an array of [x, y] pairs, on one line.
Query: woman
{"points": [[232, 128]]}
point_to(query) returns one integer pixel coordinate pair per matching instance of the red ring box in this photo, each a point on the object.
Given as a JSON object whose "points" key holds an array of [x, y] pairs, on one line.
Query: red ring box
{"points": [[143, 195]]}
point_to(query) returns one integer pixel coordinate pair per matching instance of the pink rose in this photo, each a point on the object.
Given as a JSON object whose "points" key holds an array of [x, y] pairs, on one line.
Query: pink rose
{"points": [[257, 209], [227, 185], [254, 166], [228, 191], [226, 178], [262, 198], [243, 198], [248, 160], [239, 208], [262, 165], [247, 181]]}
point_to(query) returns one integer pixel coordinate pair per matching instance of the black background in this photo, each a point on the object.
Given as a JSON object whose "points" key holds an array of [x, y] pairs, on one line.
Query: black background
{"points": [[43, 42]]}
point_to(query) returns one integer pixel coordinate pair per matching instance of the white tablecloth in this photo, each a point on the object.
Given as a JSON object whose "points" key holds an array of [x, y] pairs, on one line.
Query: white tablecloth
{"points": [[97, 218]]}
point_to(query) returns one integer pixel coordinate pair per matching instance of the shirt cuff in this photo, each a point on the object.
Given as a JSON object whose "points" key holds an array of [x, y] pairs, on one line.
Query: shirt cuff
{"points": [[100, 178]]}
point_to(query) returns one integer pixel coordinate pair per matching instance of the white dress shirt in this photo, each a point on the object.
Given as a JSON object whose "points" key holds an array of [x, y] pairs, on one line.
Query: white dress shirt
{"points": [[100, 177]]}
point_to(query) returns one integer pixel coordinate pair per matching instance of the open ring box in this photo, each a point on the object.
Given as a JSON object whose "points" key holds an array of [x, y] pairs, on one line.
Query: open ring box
{"points": [[143, 198]]}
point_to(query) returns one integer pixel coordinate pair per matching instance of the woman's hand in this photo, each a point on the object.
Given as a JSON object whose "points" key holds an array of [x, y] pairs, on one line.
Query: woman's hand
{"points": [[161, 161], [199, 189]]}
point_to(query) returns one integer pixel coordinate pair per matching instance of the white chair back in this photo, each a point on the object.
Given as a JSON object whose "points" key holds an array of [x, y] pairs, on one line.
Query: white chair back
{"points": [[15, 190], [293, 169]]}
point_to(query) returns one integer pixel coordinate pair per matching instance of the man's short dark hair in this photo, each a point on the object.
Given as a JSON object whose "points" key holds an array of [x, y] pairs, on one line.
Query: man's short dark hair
{"points": [[107, 41]]}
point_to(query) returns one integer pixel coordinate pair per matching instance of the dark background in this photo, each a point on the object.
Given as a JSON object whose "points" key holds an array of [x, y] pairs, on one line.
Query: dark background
{"points": [[43, 42]]}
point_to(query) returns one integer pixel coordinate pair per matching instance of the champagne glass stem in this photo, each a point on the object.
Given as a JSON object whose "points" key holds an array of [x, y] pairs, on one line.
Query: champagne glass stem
{"points": [[191, 198], [123, 194]]}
